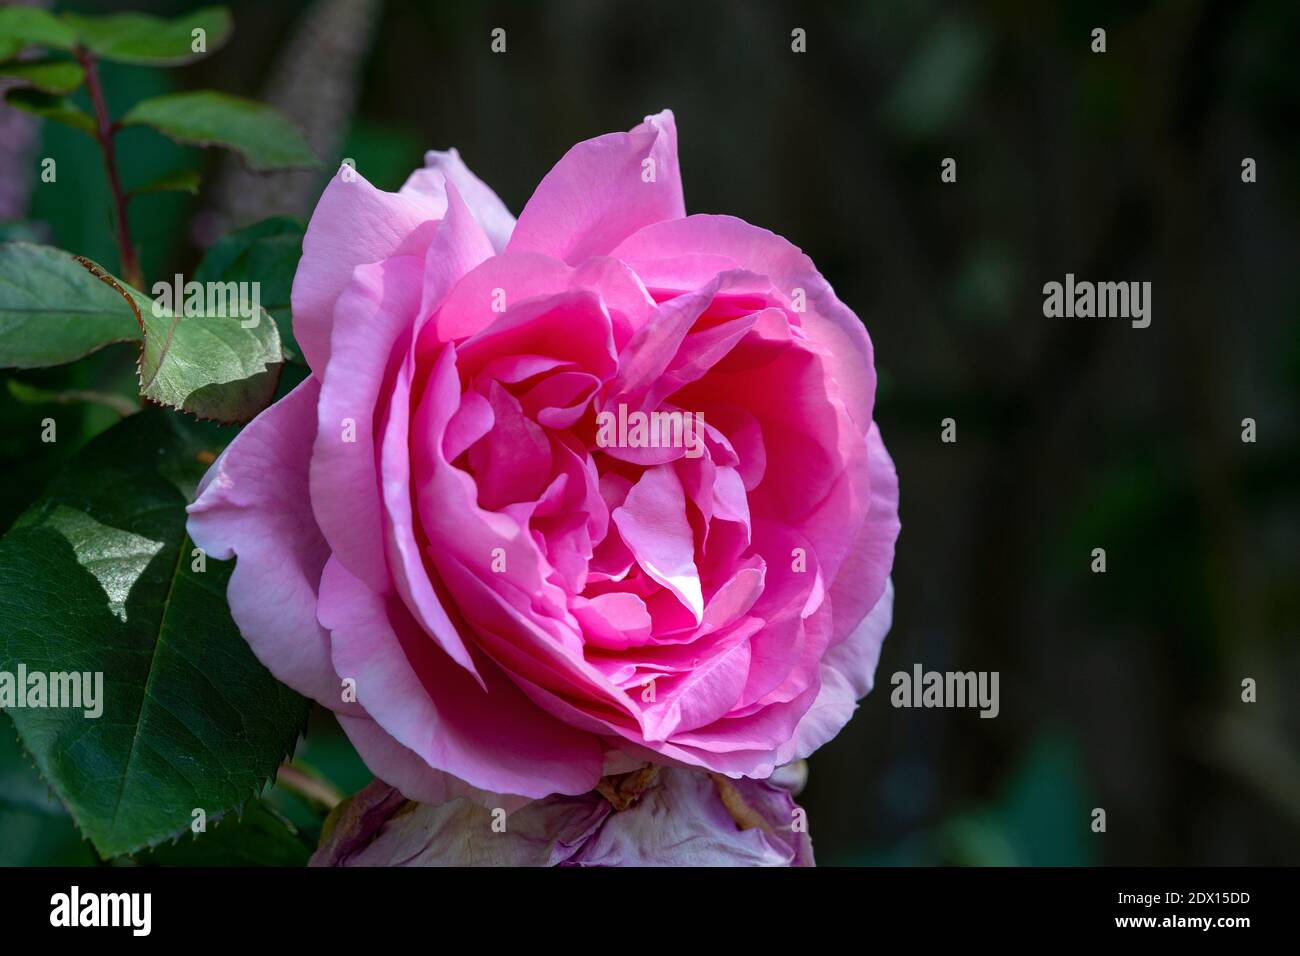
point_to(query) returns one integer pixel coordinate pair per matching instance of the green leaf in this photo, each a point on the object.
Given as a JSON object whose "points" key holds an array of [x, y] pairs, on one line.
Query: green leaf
{"points": [[22, 27], [151, 41], [35, 829], [98, 577], [21, 787], [210, 365], [262, 135], [259, 836], [266, 252], [60, 109], [52, 76], [53, 310], [181, 180], [56, 307]]}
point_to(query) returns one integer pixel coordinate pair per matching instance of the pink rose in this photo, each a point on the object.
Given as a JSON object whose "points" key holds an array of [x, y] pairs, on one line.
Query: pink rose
{"points": [[463, 515]]}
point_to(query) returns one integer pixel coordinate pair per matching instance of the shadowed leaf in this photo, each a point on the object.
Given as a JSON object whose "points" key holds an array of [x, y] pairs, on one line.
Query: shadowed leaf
{"points": [[52, 76], [59, 109], [98, 577]]}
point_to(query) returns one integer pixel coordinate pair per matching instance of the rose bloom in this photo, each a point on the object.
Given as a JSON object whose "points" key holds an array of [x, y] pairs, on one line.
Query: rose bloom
{"points": [[521, 605]]}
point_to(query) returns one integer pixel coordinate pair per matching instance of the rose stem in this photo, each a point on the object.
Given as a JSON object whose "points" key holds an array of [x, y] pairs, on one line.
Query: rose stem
{"points": [[104, 132]]}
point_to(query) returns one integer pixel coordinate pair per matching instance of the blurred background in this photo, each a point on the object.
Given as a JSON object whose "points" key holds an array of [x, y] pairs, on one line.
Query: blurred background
{"points": [[1120, 690]]}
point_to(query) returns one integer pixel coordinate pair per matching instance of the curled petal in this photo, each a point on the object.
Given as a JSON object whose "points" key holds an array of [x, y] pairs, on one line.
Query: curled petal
{"points": [[830, 325], [441, 168], [602, 191], [353, 224]]}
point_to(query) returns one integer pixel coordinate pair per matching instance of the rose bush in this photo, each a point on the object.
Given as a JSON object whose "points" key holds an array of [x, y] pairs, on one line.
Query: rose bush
{"points": [[430, 518]]}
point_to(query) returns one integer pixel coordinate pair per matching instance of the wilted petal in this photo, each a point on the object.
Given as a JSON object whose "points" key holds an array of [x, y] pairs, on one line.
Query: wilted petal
{"points": [[684, 821], [460, 833], [647, 817]]}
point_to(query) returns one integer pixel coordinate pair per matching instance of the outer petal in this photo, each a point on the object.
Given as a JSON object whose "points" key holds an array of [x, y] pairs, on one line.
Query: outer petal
{"points": [[441, 168], [393, 763], [353, 224], [253, 503], [862, 577], [497, 741], [858, 654], [381, 303], [597, 195], [847, 674]]}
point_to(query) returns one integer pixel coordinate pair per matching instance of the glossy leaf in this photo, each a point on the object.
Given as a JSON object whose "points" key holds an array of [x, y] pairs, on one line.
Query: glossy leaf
{"points": [[99, 576]]}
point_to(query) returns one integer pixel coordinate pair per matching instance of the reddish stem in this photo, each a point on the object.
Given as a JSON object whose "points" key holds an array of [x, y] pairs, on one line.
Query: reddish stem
{"points": [[104, 132]]}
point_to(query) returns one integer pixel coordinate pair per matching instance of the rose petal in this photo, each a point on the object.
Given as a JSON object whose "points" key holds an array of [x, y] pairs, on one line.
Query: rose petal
{"points": [[353, 224], [254, 504], [441, 168], [683, 822], [861, 579], [598, 193], [830, 325], [416, 780], [495, 740], [652, 522], [462, 833], [344, 481], [847, 673]]}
